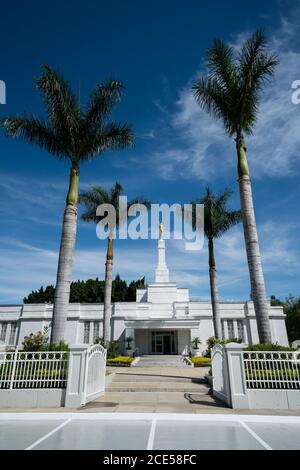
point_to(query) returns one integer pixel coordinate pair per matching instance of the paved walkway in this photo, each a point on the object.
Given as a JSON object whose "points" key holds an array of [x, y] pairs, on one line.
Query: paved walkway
{"points": [[157, 389], [125, 431]]}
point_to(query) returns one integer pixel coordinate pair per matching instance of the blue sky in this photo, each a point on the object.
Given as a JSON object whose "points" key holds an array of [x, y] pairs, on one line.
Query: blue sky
{"points": [[157, 49]]}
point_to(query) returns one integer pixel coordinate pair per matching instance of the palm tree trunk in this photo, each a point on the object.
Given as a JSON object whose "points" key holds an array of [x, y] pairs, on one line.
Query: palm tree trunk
{"points": [[107, 292], [258, 290], [214, 291], [65, 261]]}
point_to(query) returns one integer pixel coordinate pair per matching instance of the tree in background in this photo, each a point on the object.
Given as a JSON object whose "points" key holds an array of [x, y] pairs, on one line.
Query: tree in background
{"points": [[291, 307], [90, 291], [217, 220], [91, 200], [76, 134], [231, 93]]}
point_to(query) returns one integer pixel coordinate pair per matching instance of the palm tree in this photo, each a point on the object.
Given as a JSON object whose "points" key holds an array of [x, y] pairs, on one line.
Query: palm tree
{"points": [[77, 135], [91, 199], [217, 220], [231, 92]]}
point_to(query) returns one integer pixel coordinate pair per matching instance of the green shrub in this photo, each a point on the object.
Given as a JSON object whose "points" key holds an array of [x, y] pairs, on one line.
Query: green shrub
{"points": [[268, 347], [36, 341], [196, 342], [212, 341], [120, 361], [201, 361], [113, 349], [40, 342]]}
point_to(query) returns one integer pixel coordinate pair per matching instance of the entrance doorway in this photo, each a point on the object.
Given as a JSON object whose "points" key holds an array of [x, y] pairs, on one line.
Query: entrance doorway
{"points": [[163, 342]]}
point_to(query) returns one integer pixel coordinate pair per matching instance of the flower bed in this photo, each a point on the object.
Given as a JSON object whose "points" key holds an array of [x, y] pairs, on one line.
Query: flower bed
{"points": [[123, 361], [201, 361]]}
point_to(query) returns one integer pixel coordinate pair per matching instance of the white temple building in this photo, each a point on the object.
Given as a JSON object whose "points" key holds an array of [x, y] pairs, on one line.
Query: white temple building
{"points": [[163, 320]]}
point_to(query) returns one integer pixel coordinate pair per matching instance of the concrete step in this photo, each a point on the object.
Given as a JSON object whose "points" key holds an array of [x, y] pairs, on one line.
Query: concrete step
{"points": [[157, 387], [120, 378], [161, 361]]}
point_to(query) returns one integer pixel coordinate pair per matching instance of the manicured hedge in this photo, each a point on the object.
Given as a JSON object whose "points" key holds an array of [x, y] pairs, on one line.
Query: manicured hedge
{"points": [[268, 347], [201, 361], [120, 361]]}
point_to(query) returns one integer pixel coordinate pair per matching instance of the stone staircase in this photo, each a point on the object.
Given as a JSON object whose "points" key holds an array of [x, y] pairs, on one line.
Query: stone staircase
{"points": [[161, 361], [159, 384], [151, 382]]}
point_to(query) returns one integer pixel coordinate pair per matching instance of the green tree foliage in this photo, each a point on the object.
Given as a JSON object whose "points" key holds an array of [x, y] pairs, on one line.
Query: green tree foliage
{"points": [[89, 291], [291, 307]]}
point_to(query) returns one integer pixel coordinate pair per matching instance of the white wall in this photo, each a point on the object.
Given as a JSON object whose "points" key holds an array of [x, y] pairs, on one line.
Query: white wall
{"points": [[32, 318]]}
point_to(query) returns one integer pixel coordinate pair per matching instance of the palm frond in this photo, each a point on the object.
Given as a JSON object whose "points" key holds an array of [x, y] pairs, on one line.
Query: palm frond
{"points": [[36, 132], [212, 98], [102, 100], [97, 195], [113, 136], [256, 67], [62, 107], [231, 89], [217, 217], [221, 65]]}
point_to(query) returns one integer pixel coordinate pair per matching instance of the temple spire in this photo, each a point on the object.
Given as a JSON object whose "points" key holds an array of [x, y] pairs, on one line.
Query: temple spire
{"points": [[161, 272]]}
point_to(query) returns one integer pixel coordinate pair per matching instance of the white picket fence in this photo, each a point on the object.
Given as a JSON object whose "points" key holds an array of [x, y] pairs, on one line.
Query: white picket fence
{"points": [[21, 370], [256, 379]]}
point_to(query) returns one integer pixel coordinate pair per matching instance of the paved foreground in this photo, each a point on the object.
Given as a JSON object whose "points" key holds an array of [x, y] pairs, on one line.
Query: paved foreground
{"points": [[127, 431], [146, 388]]}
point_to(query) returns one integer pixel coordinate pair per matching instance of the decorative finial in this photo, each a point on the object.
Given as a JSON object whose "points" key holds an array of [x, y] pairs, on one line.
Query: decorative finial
{"points": [[161, 229]]}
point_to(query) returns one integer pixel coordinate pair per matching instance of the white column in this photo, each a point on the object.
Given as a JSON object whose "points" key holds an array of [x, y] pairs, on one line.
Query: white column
{"points": [[235, 329], [8, 330]]}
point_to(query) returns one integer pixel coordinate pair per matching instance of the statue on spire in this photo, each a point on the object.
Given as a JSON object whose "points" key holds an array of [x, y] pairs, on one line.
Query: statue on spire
{"points": [[161, 229]]}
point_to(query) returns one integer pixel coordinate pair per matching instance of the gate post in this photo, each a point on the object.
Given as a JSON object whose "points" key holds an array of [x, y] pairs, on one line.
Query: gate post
{"points": [[238, 389], [75, 393]]}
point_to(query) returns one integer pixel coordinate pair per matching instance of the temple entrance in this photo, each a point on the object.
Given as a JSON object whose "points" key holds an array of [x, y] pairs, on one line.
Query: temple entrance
{"points": [[164, 342]]}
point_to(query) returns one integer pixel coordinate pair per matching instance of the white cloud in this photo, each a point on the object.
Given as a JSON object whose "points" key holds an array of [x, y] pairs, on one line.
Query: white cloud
{"points": [[201, 149]]}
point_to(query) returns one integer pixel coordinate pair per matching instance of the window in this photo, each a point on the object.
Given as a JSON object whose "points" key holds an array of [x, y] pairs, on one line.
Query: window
{"points": [[230, 328], [223, 329], [96, 330], [3, 331], [240, 328], [13, 330], [86, 332]]}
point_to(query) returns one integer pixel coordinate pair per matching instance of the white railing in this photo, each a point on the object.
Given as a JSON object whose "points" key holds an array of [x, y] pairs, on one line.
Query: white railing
{"points": [[95, 372], [272, 370], [33, 369]]}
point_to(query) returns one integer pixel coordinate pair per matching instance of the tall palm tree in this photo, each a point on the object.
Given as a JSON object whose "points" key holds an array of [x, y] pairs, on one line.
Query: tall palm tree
{"points": [[76, 134], [91, 199], [217, 220], [231, 92]]}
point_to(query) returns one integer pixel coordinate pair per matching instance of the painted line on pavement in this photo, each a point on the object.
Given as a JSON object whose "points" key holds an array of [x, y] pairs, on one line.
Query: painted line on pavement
{"points": [[48, 435], [256, 436], [151, 435]]}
